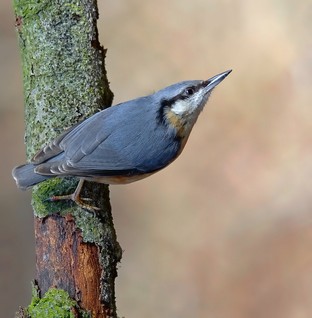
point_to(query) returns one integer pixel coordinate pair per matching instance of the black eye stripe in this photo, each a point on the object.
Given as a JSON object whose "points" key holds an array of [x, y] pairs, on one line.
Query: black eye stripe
{"points": [[186, 93]]}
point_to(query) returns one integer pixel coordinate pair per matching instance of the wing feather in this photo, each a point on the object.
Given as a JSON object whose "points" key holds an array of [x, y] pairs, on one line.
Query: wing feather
{"points": [[111, 142]]}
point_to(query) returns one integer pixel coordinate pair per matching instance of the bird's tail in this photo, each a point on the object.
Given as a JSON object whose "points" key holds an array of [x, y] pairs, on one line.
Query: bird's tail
{"points": [[26, 177]]}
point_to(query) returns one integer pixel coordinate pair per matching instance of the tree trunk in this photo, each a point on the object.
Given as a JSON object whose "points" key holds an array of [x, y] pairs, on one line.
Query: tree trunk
{"points": [[64, 83]]}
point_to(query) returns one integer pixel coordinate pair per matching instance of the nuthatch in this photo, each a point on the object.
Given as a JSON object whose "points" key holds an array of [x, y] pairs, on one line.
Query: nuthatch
{"points": [[123, 143]]}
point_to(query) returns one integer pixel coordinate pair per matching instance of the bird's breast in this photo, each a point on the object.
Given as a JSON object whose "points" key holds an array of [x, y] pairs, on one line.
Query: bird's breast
{"points": [[118, 179], [176, 122]]}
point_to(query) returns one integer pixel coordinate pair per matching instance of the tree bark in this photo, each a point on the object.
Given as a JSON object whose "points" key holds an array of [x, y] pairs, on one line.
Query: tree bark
{"points": [[65, 82]]}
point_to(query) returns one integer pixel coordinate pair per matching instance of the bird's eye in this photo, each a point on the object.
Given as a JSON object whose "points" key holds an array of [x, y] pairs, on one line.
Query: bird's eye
{"points": [[189, 91]]}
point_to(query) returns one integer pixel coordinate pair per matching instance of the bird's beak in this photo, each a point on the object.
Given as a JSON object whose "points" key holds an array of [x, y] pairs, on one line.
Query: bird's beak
{"points": [[215, 80]]}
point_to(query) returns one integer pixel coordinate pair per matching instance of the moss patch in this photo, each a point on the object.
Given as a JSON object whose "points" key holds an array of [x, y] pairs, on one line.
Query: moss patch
{"points": [[42, 194], [56, 303]]}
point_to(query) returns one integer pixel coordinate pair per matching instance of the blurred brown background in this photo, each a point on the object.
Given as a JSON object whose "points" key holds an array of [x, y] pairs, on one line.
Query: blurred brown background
{"points": [[226, 231]]}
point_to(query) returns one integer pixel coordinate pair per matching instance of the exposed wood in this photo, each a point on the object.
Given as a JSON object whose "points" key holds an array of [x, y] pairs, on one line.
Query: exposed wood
{"points": [[65, 261]]}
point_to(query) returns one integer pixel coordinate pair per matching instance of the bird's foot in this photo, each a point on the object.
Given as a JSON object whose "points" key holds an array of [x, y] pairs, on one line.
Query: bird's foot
{"points": [[75, 197]]}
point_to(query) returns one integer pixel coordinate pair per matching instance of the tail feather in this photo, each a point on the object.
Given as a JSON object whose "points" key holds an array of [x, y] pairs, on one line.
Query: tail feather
{"points": [[25, 176]]}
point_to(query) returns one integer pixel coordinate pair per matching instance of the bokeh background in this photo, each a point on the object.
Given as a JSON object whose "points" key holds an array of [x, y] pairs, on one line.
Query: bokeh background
{"points": [[225, 231]]}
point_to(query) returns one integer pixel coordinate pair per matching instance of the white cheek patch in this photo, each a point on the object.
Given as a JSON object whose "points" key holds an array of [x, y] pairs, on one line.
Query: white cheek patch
{"points": [[189, 105], [180, 107]]}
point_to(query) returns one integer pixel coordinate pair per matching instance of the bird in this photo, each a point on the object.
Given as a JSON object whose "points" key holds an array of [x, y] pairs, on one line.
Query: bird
{"points": [[123, 143]]}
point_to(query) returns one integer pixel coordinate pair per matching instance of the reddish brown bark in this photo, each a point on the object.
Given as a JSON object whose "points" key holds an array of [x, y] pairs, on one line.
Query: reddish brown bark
{"points": [[65, 261]]}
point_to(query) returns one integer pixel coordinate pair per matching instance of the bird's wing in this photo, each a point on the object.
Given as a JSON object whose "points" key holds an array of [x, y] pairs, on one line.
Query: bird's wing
{"points": [[111, 142], [52, 149]]}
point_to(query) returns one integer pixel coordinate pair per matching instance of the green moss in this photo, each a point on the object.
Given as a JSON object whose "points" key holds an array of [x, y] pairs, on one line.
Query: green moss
{"points": [[26, 8], [56, 303], [43, 192], [63, 67], [90, 225]]}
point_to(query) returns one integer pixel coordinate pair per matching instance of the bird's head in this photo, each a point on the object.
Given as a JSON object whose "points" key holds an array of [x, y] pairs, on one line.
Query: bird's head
{"points": [[181, 103]]}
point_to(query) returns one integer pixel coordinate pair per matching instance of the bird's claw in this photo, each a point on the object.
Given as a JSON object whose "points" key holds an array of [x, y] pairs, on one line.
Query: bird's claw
{"points": [[75, 197]]}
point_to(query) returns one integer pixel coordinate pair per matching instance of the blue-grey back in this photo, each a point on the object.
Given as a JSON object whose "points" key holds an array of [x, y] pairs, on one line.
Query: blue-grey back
{"points": [[122, 137]]}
